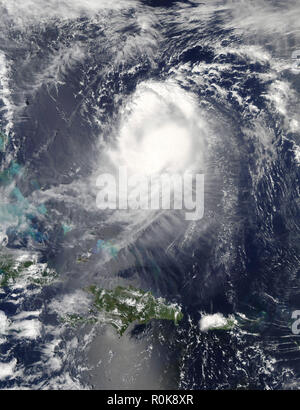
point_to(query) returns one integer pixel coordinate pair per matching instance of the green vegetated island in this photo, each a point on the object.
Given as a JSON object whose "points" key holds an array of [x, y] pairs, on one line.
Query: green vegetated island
{"points": [[124, 305], [14, 271]]}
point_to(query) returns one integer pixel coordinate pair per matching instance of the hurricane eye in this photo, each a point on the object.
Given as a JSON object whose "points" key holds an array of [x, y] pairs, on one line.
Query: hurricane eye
{"points": [[157, 134]]}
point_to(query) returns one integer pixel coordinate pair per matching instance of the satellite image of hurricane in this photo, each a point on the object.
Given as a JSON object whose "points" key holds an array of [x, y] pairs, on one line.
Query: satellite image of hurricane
{"points": [[149, 195]]}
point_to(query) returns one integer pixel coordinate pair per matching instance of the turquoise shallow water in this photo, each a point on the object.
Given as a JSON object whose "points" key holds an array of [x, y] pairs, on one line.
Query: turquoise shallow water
{"points": [[80, 81]]}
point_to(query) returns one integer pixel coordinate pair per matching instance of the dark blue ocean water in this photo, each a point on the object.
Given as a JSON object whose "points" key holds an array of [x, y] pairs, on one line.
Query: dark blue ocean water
{"points": [[68, 75]]}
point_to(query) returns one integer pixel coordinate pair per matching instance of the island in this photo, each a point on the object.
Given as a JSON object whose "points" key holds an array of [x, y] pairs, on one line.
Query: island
{"points": [[124, 305], [14, 271]]}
